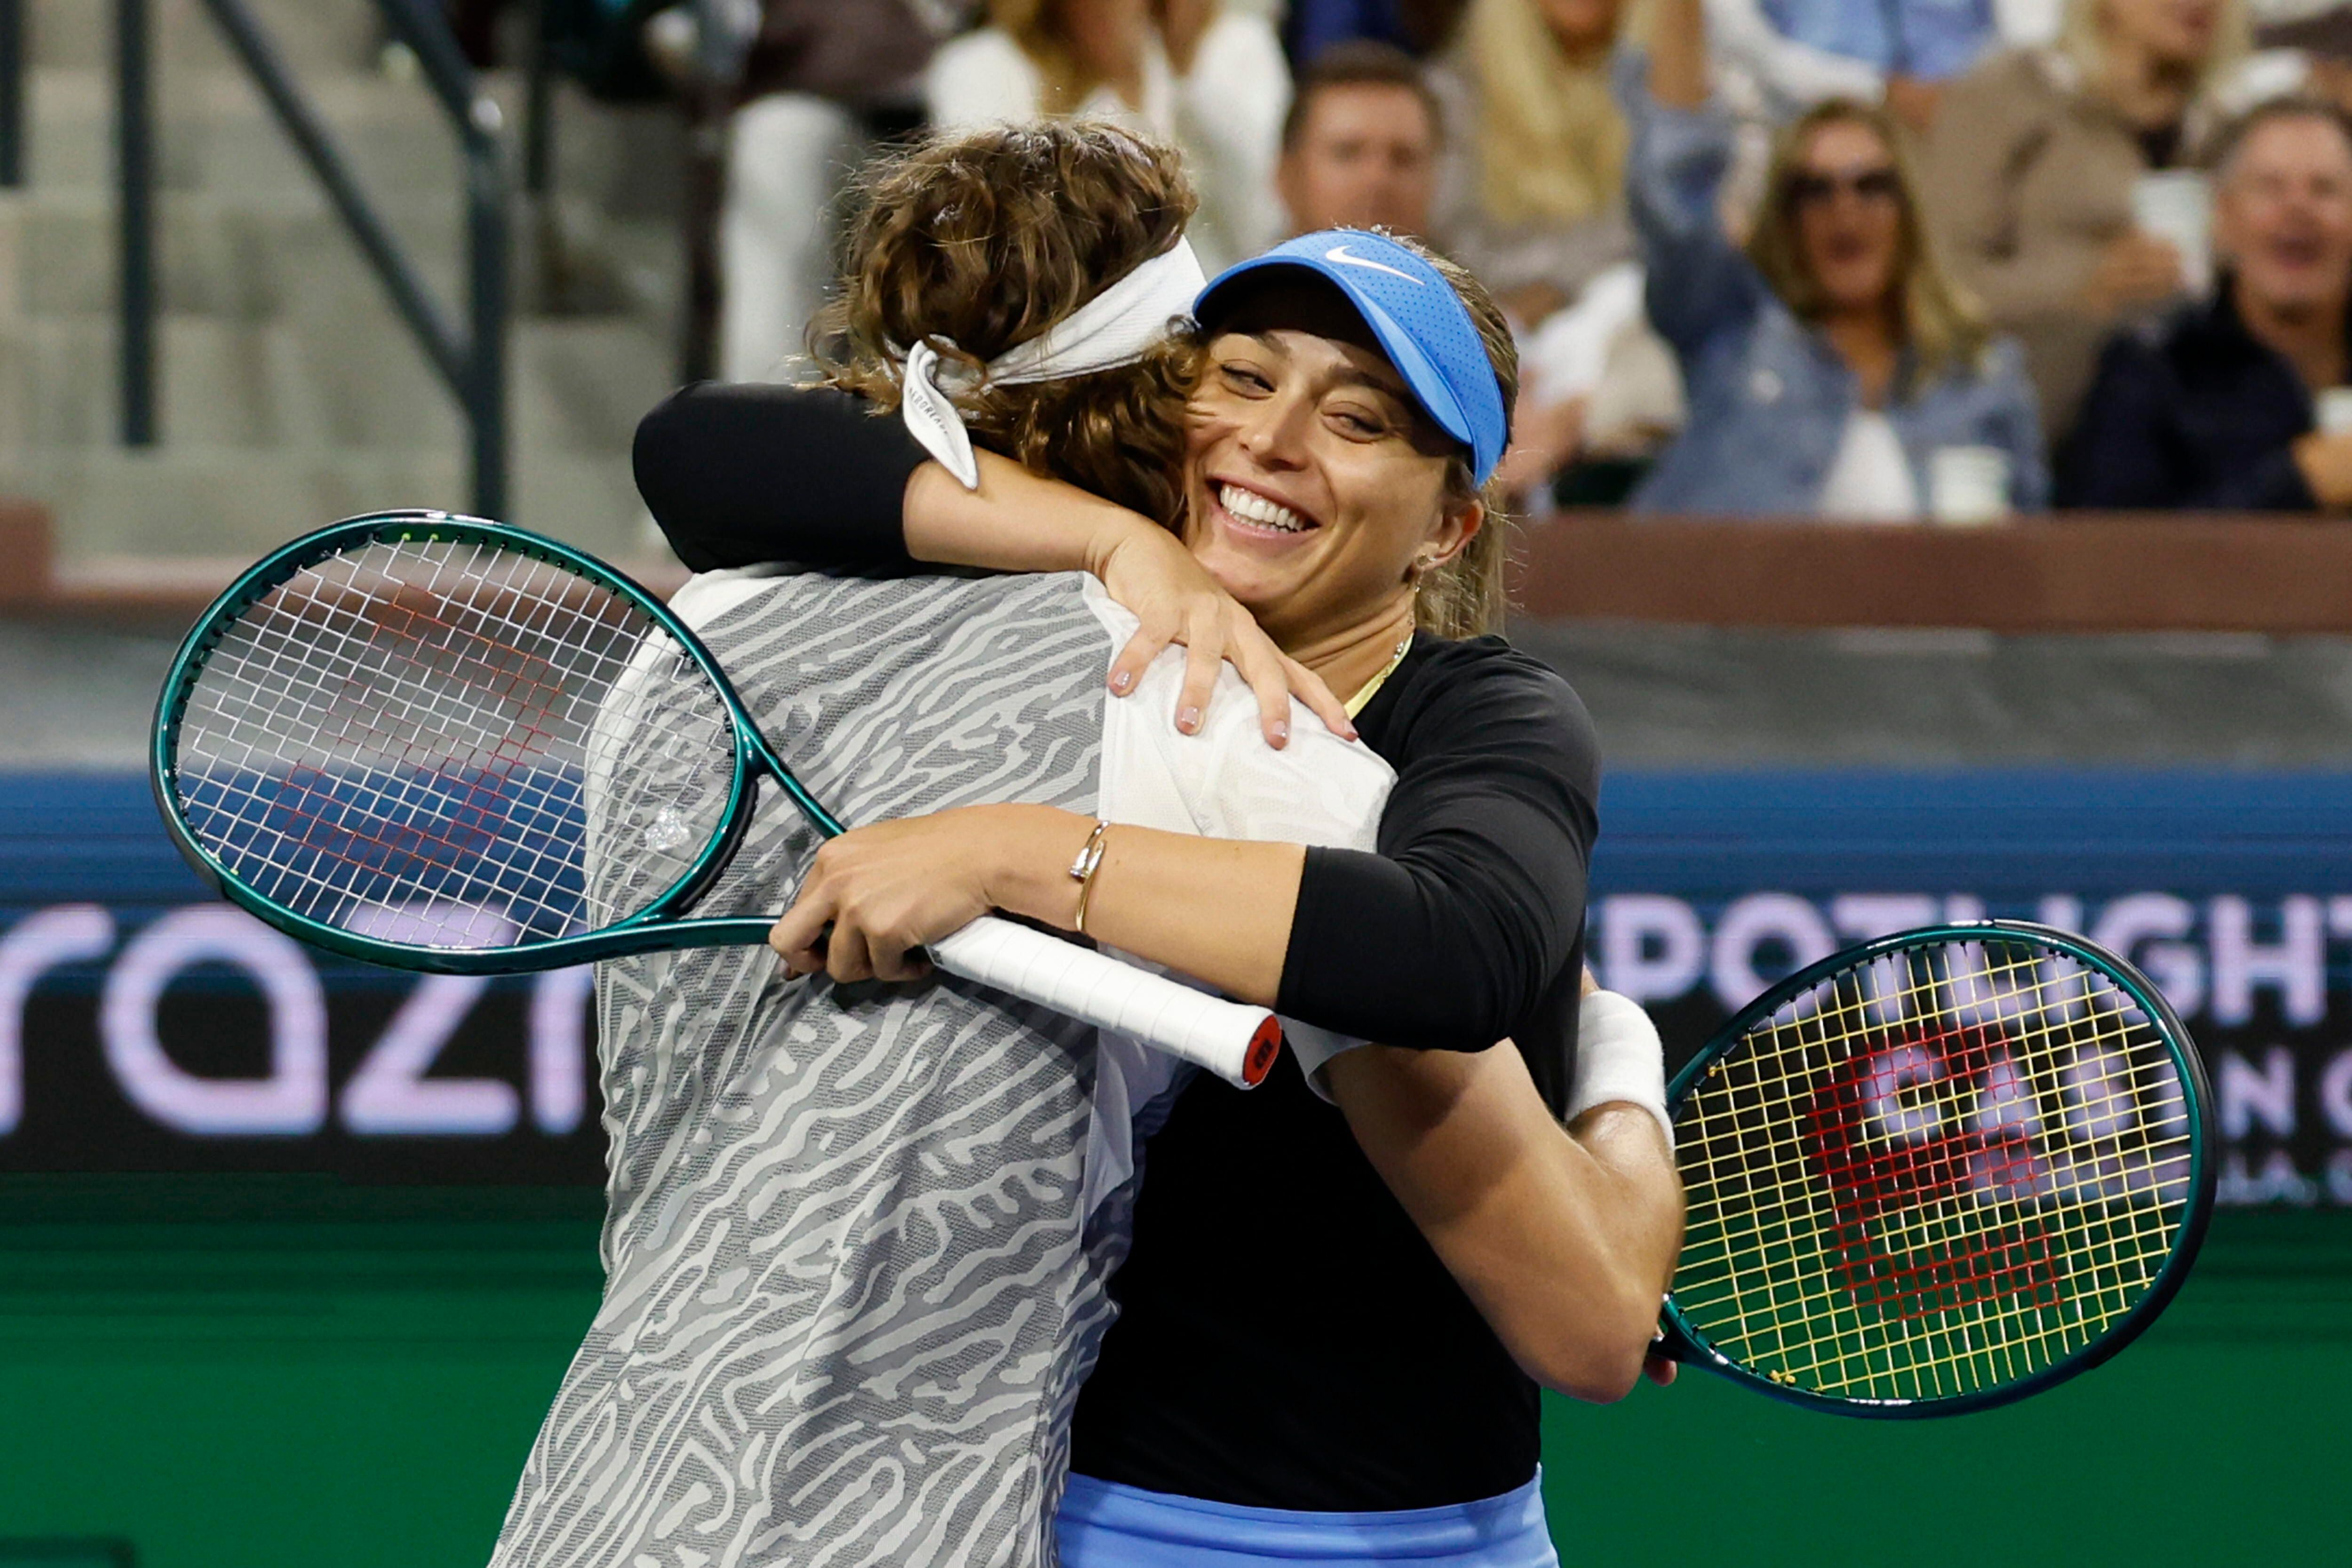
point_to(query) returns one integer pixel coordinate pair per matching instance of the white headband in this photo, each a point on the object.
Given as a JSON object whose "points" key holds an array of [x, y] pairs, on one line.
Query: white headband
{"points": [[1115, 328]]}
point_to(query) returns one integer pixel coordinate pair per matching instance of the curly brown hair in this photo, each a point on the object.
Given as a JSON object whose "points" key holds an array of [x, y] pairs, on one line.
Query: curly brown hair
{"points": [[981, 241]]}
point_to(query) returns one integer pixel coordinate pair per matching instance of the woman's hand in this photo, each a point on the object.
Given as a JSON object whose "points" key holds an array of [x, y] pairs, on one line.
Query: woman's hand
{"points": [[876, 892], [1149, 570]]}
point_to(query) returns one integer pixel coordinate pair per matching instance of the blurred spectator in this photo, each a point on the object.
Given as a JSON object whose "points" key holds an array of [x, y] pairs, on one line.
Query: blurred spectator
{"points": [[815, 75], [2215, 408], [2037, 161], [1531, 185], [1833, 369], [1209, 78], [1417, 27], [1359, 144], [1530, 196], [1798, 53]]}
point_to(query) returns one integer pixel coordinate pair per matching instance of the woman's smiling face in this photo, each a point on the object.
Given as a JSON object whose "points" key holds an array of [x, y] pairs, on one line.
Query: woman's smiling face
{"points": [[1313, 483]]}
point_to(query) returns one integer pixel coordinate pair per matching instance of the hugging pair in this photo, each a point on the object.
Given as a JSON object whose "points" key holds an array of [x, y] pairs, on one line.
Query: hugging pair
{"points": [[899, 1271]]}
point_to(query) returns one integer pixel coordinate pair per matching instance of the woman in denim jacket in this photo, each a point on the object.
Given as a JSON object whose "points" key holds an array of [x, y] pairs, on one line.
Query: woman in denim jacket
{"points": [[1831, 364]]}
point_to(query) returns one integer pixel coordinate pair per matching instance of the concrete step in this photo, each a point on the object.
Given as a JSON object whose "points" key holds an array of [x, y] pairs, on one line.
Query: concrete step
{"points": [[215, 132], [221, 502], [574, 387], [289, 255], [313, 34], [247, 258], [291, 392]]}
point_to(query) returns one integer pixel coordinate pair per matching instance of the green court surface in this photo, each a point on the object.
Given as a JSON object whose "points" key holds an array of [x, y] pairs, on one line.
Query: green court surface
{"points": [[260, 1375]]}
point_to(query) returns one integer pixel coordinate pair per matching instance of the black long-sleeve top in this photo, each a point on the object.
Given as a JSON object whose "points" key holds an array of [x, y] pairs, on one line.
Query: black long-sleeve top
{"points": [[1288, 1338], [2193, 412]]}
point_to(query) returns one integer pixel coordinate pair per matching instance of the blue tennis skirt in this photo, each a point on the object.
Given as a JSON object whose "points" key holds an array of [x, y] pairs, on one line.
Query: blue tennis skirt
{"points": [[1106, 1525]]}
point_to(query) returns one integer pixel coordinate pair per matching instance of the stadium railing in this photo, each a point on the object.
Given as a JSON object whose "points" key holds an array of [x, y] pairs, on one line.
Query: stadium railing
{"points": [[471, 358]]}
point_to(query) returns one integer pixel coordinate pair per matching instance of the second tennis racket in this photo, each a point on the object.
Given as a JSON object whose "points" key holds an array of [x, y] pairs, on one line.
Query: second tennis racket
{"points": [[1938, 1172]]}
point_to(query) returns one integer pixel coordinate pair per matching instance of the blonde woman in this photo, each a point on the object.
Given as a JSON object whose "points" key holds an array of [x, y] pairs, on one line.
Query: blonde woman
{"points": [[1829, 363], [1531, 198], [1195, 72], [1531, 195], [2036, 155]]}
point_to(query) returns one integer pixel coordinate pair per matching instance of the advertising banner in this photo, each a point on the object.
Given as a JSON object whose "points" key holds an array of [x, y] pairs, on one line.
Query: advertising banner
{"points": [[145, 1025], [2232, 891]]}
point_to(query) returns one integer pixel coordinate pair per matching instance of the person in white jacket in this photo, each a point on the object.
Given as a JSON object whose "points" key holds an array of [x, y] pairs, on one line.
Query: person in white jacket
{"points": [[1208, 76]]}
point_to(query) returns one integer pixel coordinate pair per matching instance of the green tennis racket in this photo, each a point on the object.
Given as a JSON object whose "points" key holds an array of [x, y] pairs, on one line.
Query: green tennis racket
{"points": [[1938, 1172], [443, 743]]}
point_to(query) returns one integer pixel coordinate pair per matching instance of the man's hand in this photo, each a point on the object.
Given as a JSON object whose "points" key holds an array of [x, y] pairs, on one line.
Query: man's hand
{"points": [[2327, 463], [2135, 269]]}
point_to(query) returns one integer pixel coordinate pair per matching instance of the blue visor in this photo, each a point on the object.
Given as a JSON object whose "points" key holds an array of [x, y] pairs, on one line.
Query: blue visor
{"points": [[1420, 321]]}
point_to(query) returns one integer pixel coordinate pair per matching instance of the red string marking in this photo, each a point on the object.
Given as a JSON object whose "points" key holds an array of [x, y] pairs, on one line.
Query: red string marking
{"points": [[1892, 1139]]}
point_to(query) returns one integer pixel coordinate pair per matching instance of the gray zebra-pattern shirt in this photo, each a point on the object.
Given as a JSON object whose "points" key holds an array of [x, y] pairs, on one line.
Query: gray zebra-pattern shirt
{"points": [[858, 1237]]}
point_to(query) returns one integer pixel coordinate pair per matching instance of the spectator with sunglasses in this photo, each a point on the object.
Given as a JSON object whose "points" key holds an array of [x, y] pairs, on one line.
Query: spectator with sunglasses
{"points": [[1831, 361]]}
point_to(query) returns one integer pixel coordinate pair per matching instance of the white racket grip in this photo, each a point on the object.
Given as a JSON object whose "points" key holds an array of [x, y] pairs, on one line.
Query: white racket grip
{"points": [[1237, 1042]]}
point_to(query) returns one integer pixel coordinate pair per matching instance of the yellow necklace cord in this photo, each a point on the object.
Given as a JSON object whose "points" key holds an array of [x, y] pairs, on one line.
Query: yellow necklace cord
{"points": [[1371, 687]]}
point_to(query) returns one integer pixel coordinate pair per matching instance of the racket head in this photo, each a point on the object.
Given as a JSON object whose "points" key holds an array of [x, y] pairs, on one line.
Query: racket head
{"points": [[1939, 1173], [383, 737]]}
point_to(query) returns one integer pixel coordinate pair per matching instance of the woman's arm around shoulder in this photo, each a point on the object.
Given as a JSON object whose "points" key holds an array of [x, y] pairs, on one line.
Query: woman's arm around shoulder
{"points": [[739, 474]]}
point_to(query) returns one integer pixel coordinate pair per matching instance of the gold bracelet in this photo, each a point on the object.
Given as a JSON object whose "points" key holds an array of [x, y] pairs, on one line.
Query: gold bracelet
{"points": [[1083, 869]]}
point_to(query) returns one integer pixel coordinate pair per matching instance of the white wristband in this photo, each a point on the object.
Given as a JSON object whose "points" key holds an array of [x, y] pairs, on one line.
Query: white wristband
{"points": [[1618, 1057]]}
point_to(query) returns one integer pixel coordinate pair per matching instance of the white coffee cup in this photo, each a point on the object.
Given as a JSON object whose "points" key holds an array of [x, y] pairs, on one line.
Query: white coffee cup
{"points": [[2177, 204], [1967, 485], [2332, 411]]}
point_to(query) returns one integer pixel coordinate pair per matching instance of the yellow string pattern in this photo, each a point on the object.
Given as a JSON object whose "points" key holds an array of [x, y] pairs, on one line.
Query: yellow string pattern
{"points": [[1937, 1173]]}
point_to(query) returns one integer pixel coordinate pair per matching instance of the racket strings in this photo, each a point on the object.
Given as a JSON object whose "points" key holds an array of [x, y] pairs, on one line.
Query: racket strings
{"points": [[1938, 1172], [1849, 1281], [1941, 1272], [402, 740]]}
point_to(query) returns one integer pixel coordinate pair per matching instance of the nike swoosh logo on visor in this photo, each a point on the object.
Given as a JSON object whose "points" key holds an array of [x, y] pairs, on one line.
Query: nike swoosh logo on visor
{"points": [[1338, 252]]}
